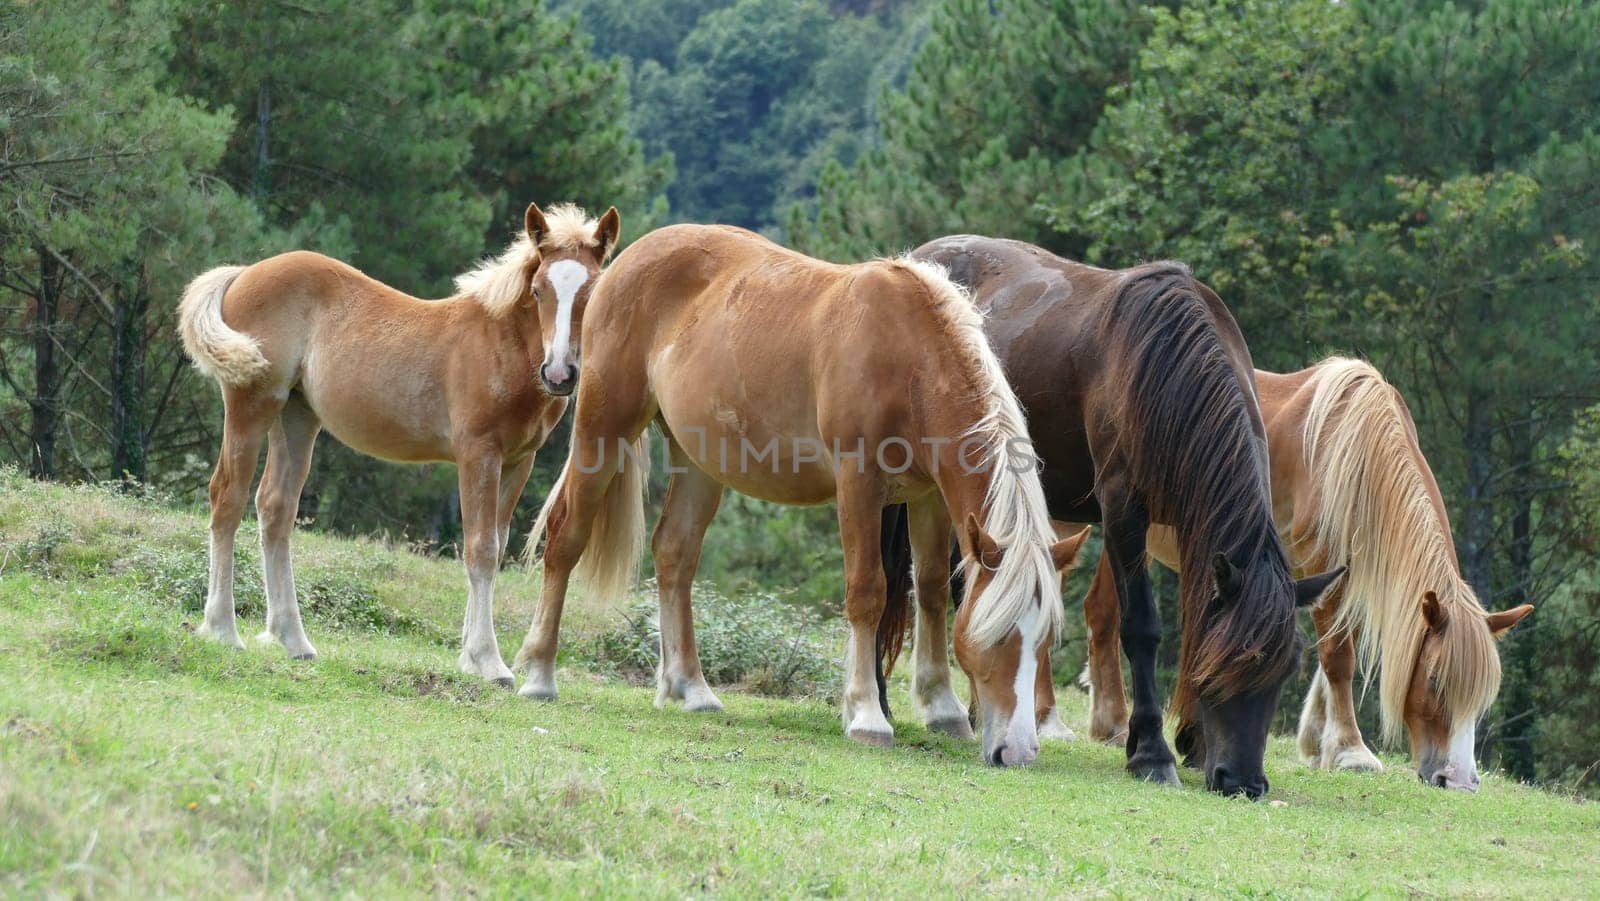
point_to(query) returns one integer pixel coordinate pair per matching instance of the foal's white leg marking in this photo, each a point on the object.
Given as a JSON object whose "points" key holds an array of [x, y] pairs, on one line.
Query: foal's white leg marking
{"points": [[283, 609], [566, 277], [941, 710], [480, 649], [219, 623]]}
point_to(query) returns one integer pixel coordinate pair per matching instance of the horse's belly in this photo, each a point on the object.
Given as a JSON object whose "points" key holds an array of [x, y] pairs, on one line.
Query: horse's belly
{"points": [[399, 419], [786, 469]]}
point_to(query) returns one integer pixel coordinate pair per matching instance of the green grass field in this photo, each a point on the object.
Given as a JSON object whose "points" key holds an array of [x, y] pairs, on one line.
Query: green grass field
{"points": [[136, 759]]}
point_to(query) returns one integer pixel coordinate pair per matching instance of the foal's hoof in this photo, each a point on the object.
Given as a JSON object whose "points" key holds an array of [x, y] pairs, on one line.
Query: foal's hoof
{"points": [[1161, 772], [538, 691], [503, 682], [226, 637], [304, 655], [702, 702], [957, 727], [875, 737]]}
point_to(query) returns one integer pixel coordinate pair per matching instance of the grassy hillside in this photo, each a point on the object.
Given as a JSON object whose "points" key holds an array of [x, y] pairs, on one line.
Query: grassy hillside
{"points": [[136, 759]]}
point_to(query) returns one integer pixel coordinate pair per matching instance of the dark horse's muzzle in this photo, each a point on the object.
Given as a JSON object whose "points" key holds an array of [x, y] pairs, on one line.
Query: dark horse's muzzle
{"points": [[559, 380]]}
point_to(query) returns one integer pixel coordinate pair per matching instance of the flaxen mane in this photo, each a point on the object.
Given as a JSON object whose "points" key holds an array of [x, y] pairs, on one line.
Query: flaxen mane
{"points": [[499, 283], [1195, 455], [1374, 510], [1015, 516]]}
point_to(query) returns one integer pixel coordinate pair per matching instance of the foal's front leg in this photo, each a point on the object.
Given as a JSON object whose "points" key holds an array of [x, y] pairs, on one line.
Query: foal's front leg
{"points": [[479, 479], [860, 522]]}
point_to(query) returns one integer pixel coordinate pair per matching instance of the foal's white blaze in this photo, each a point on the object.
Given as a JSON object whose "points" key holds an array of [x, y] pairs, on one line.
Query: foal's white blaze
{"points": [[566, 277]]}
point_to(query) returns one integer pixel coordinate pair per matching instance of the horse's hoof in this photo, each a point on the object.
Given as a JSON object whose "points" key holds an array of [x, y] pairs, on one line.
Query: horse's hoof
{"points": [[956, 728], [1358, 760], [872, 737], [1161, 772], [225, 637], [503, 682], [304, 655], [1053, 729], [702, 703], [538, 692]]}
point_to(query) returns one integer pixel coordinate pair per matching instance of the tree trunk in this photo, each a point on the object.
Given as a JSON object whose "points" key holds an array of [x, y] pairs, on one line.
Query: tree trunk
{"points": [[1477, 544], [1521, 649], [45, 404], [127, 378]]}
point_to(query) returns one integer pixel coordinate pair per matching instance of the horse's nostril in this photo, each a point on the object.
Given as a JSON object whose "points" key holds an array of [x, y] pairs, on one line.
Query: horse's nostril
{"points": [[998, 757], [1439, 780]]}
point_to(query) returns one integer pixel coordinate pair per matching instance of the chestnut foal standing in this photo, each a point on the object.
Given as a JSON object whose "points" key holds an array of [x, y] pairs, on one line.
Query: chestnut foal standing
{"points": [[300, 342]]}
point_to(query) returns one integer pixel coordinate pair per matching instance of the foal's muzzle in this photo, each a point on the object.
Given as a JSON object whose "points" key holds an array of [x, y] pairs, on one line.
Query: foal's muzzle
{"points": [[559, 380]]}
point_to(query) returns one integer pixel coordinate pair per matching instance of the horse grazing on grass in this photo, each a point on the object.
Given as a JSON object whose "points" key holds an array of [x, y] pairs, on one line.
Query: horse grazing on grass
{"points": [[1349, 483], [1142, 406], [300, 342], [800, 382]]}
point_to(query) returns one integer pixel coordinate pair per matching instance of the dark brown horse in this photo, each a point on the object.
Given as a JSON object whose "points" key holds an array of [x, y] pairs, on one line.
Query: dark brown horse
{"points": [[1142, 405]]}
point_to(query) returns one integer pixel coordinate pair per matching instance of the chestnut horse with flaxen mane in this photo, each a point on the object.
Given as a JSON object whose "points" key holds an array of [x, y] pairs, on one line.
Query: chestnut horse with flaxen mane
{"points": [[770, 372]]}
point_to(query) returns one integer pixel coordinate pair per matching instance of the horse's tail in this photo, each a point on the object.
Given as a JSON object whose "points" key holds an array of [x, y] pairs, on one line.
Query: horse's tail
{"points": [[231, 357], [610, 560], [895, 546]]}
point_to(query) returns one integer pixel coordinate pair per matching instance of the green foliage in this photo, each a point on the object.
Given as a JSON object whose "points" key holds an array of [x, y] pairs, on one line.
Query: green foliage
{"points": [[751, 640], [998, 96]]}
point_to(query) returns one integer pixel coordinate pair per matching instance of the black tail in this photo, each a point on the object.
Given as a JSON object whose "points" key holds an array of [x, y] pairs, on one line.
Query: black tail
{"points": [[894, 544]]}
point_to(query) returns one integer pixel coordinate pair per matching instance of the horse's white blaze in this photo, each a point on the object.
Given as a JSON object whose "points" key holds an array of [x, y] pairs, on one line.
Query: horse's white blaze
{"points": [[1022, 734], [1460, 770], [566, 277]]}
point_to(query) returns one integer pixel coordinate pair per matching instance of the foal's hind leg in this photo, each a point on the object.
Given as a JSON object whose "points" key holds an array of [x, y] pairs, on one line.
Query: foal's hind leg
{"points": [[478, 476], [941, 710], [289, 445], [244, 425], [692, 500]]}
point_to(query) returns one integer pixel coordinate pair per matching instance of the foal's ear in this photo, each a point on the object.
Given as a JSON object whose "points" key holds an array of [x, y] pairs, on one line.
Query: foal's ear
{"points": [[1065, 551], [606, 233], [533, 223], [1501, 623], [981, 545], [1308, 592], [1230, 581]]}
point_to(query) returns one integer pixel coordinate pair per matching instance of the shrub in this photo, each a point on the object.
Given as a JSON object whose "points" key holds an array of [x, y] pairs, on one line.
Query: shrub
{"points": [[754, 641]]}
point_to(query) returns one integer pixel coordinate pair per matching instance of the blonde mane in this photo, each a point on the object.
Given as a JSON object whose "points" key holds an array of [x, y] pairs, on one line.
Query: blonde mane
{"points": [[1016, 516], [1375, 513], [499, 283]]}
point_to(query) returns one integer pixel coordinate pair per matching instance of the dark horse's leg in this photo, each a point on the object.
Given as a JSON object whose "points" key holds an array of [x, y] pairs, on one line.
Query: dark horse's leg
{"points": [[1125, 525]]}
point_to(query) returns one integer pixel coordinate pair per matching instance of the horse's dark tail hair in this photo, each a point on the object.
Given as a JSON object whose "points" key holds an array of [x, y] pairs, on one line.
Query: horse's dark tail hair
{"points": [[894, 544]]}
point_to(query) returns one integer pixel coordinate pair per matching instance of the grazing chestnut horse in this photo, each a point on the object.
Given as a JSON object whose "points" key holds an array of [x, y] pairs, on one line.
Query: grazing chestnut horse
{"points": [[1350, 483], [1140, 399], [800, 382], [300, 342]]}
